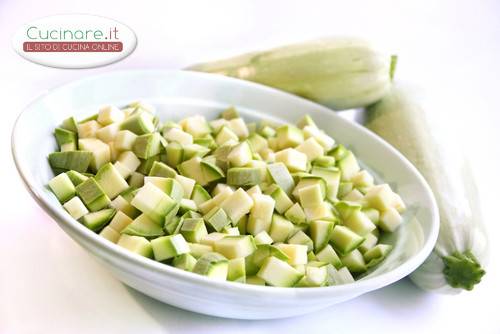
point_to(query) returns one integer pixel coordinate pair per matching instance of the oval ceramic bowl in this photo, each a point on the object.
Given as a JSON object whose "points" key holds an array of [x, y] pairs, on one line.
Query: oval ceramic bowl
{"points": [[177, 94]]}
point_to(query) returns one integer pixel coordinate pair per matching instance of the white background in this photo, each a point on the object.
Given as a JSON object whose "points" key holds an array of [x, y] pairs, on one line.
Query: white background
{"points": [[450, 49]]}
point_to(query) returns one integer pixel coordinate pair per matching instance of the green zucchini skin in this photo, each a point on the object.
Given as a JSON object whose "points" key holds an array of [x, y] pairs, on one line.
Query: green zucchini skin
{"points": [[339, 72], [461, 252]]}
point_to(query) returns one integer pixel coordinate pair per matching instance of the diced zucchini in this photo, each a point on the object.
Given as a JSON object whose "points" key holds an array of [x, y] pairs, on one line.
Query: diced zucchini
{"points": [[76, 177], [281, 228], [257, 142], [297, 254], [162, 170], [95, 221], [139, 245], [346, 209], [101, 153], [66, 140], [278, 273], [254, 190], [359, 223], [153, 202], [288, 136], [70, 124], [314, 277], [120, 221], [354, 261], [281, 199], [199, 195], [140, 123], [194, 150], [206, 206], [108, 133], [196, 125], [311, 148], [344, 240], [169, 246], [75, 208], [376, 254], [110, 114], [210, 171], [236, 270], [238, 126], [301, 238], [296, 214], [311, 196], [110, 180], [88, 129], [233, 247], [192, 169], [370, 241], [144, 226], [212, 265], [124, 140], [174, 154], [110, 234], [70, 160], [147, 145], [92, 195], [193, 229], [230, 113], [62, 187], [321, 211], [320, 231], [348, 166], [263, 238], [372, 214], [328, 255], [217, 219], [332, 179], [261, 214], [184, 262], [254, 280], [281, 177], [121, 204], [136, 180], [294, 160], [390, 220], [198, 250], [226, 135], [244, 176], [240, 155], [380, 197], [237, 204]]}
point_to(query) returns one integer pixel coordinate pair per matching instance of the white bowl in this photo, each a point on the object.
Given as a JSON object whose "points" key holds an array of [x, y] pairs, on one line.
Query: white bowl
{"points": [[177, 94]]}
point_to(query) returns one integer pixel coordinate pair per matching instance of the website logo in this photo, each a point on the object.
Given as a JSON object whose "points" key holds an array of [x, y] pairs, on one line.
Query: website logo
{"points": [[74, 41]]}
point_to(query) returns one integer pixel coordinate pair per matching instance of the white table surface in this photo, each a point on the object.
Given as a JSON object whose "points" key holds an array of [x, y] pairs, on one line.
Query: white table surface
{"points": [[48, 284]]}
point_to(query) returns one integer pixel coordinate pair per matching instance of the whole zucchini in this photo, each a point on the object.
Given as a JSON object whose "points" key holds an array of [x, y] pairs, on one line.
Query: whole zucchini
{"points": [[341, 73], [457, 260]]}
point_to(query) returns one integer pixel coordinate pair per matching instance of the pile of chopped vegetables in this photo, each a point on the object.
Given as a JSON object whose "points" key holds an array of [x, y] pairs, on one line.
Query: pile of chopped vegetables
{"points": [[264, 204]]}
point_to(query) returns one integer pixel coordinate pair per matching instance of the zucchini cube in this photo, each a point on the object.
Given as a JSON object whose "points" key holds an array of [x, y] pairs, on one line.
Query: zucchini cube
{"points": [[76, 208], [170, 246], [62, 187], [193, 229], [92, 195], [153, 202], [233, 247], [212, 265], [144, 226], [110, 180], [138, 245], [278, 273]]}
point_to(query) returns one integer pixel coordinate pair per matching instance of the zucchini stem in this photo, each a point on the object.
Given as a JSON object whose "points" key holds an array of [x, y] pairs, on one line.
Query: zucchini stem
{"points": [[462, 270]]}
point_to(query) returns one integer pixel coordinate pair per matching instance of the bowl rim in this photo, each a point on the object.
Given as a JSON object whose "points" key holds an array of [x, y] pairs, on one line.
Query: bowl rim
{"points": [[113, 250]]}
